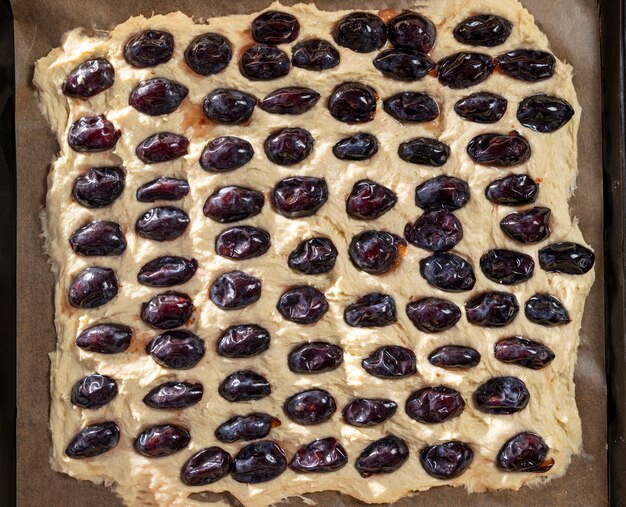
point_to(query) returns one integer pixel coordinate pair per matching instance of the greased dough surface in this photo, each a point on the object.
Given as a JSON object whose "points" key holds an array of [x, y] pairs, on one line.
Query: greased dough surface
{"points": [[144, 481]]}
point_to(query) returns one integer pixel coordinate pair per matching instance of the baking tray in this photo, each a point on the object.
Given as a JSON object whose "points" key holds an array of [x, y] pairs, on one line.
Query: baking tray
{"points": [[612, 12], [613, 22], [7, 256]]}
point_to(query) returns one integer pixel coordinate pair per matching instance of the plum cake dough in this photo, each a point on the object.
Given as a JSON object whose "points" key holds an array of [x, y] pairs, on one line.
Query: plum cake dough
{"points": [[299, 251]]}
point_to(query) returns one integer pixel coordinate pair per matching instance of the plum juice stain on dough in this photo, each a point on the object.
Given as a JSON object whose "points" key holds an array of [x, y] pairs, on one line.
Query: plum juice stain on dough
{"points": [[380, 465], [194, 119]]}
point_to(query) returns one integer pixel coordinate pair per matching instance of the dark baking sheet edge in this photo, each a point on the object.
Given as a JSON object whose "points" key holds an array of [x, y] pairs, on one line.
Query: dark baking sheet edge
{"points": [[612, 14], [7, 256], [614, 156]]}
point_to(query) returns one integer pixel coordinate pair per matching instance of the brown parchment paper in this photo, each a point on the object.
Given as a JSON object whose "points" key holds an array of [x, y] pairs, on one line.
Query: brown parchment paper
{"points": [[572, 26]]}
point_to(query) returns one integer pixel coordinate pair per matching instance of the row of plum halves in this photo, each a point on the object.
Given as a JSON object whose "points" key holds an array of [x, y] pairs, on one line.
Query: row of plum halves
{"points": [[265, 460]]}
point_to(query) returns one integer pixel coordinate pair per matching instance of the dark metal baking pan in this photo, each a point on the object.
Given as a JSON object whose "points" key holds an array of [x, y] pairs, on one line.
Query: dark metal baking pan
{"points": [[7, 256], [612, 14], [614, 155]]}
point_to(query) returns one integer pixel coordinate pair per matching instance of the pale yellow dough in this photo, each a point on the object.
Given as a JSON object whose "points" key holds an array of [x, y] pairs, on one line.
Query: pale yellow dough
{"points": [[145, 482]]}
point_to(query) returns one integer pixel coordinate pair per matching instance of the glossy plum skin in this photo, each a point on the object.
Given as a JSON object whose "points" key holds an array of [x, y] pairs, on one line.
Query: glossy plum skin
{"points": [[242, 242], [361, 32], [91, 134], [412, 31], [383, 456], [546, 310], [320, 456], [446, 460], [93, 440], [174, 395], [486, 30], [93, 287], [246, 427], [442, 192], [229, 106], [448, 272], [369, 200], [243, 340], [315, 55], [310, 407], [292, 100], [512, 190], [412, 107], [492, 309], [527, 64], [433, 315], [163, 189], [163, 223], [566, 257], [208, 54], [403, 65], [302, 304], [299, 196], [313, 256], [259, 462], [275, 27], [89, 78], [525, 452], [232, 204], [235, 290], [391, 361], [105, 338], [244, 385], [315, 357], [149, 48], [162, 147], [507, 267], [361, 146], [206, 467], [543, 113], [529, 226], [225, 154], [481, 107], [178, 350], [424, 151], [499, 150], [167, 271], [94, 391], [371, 310], [501, 396], [363, 412], [462, 70], [162, 440], [263, 62], [352, 102], [454, 356], [98, 187], [523, 352], [167, 310], [157, 96], [288, 146], [436, 231], [432, 405], [376, 252], [98, 238]]}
